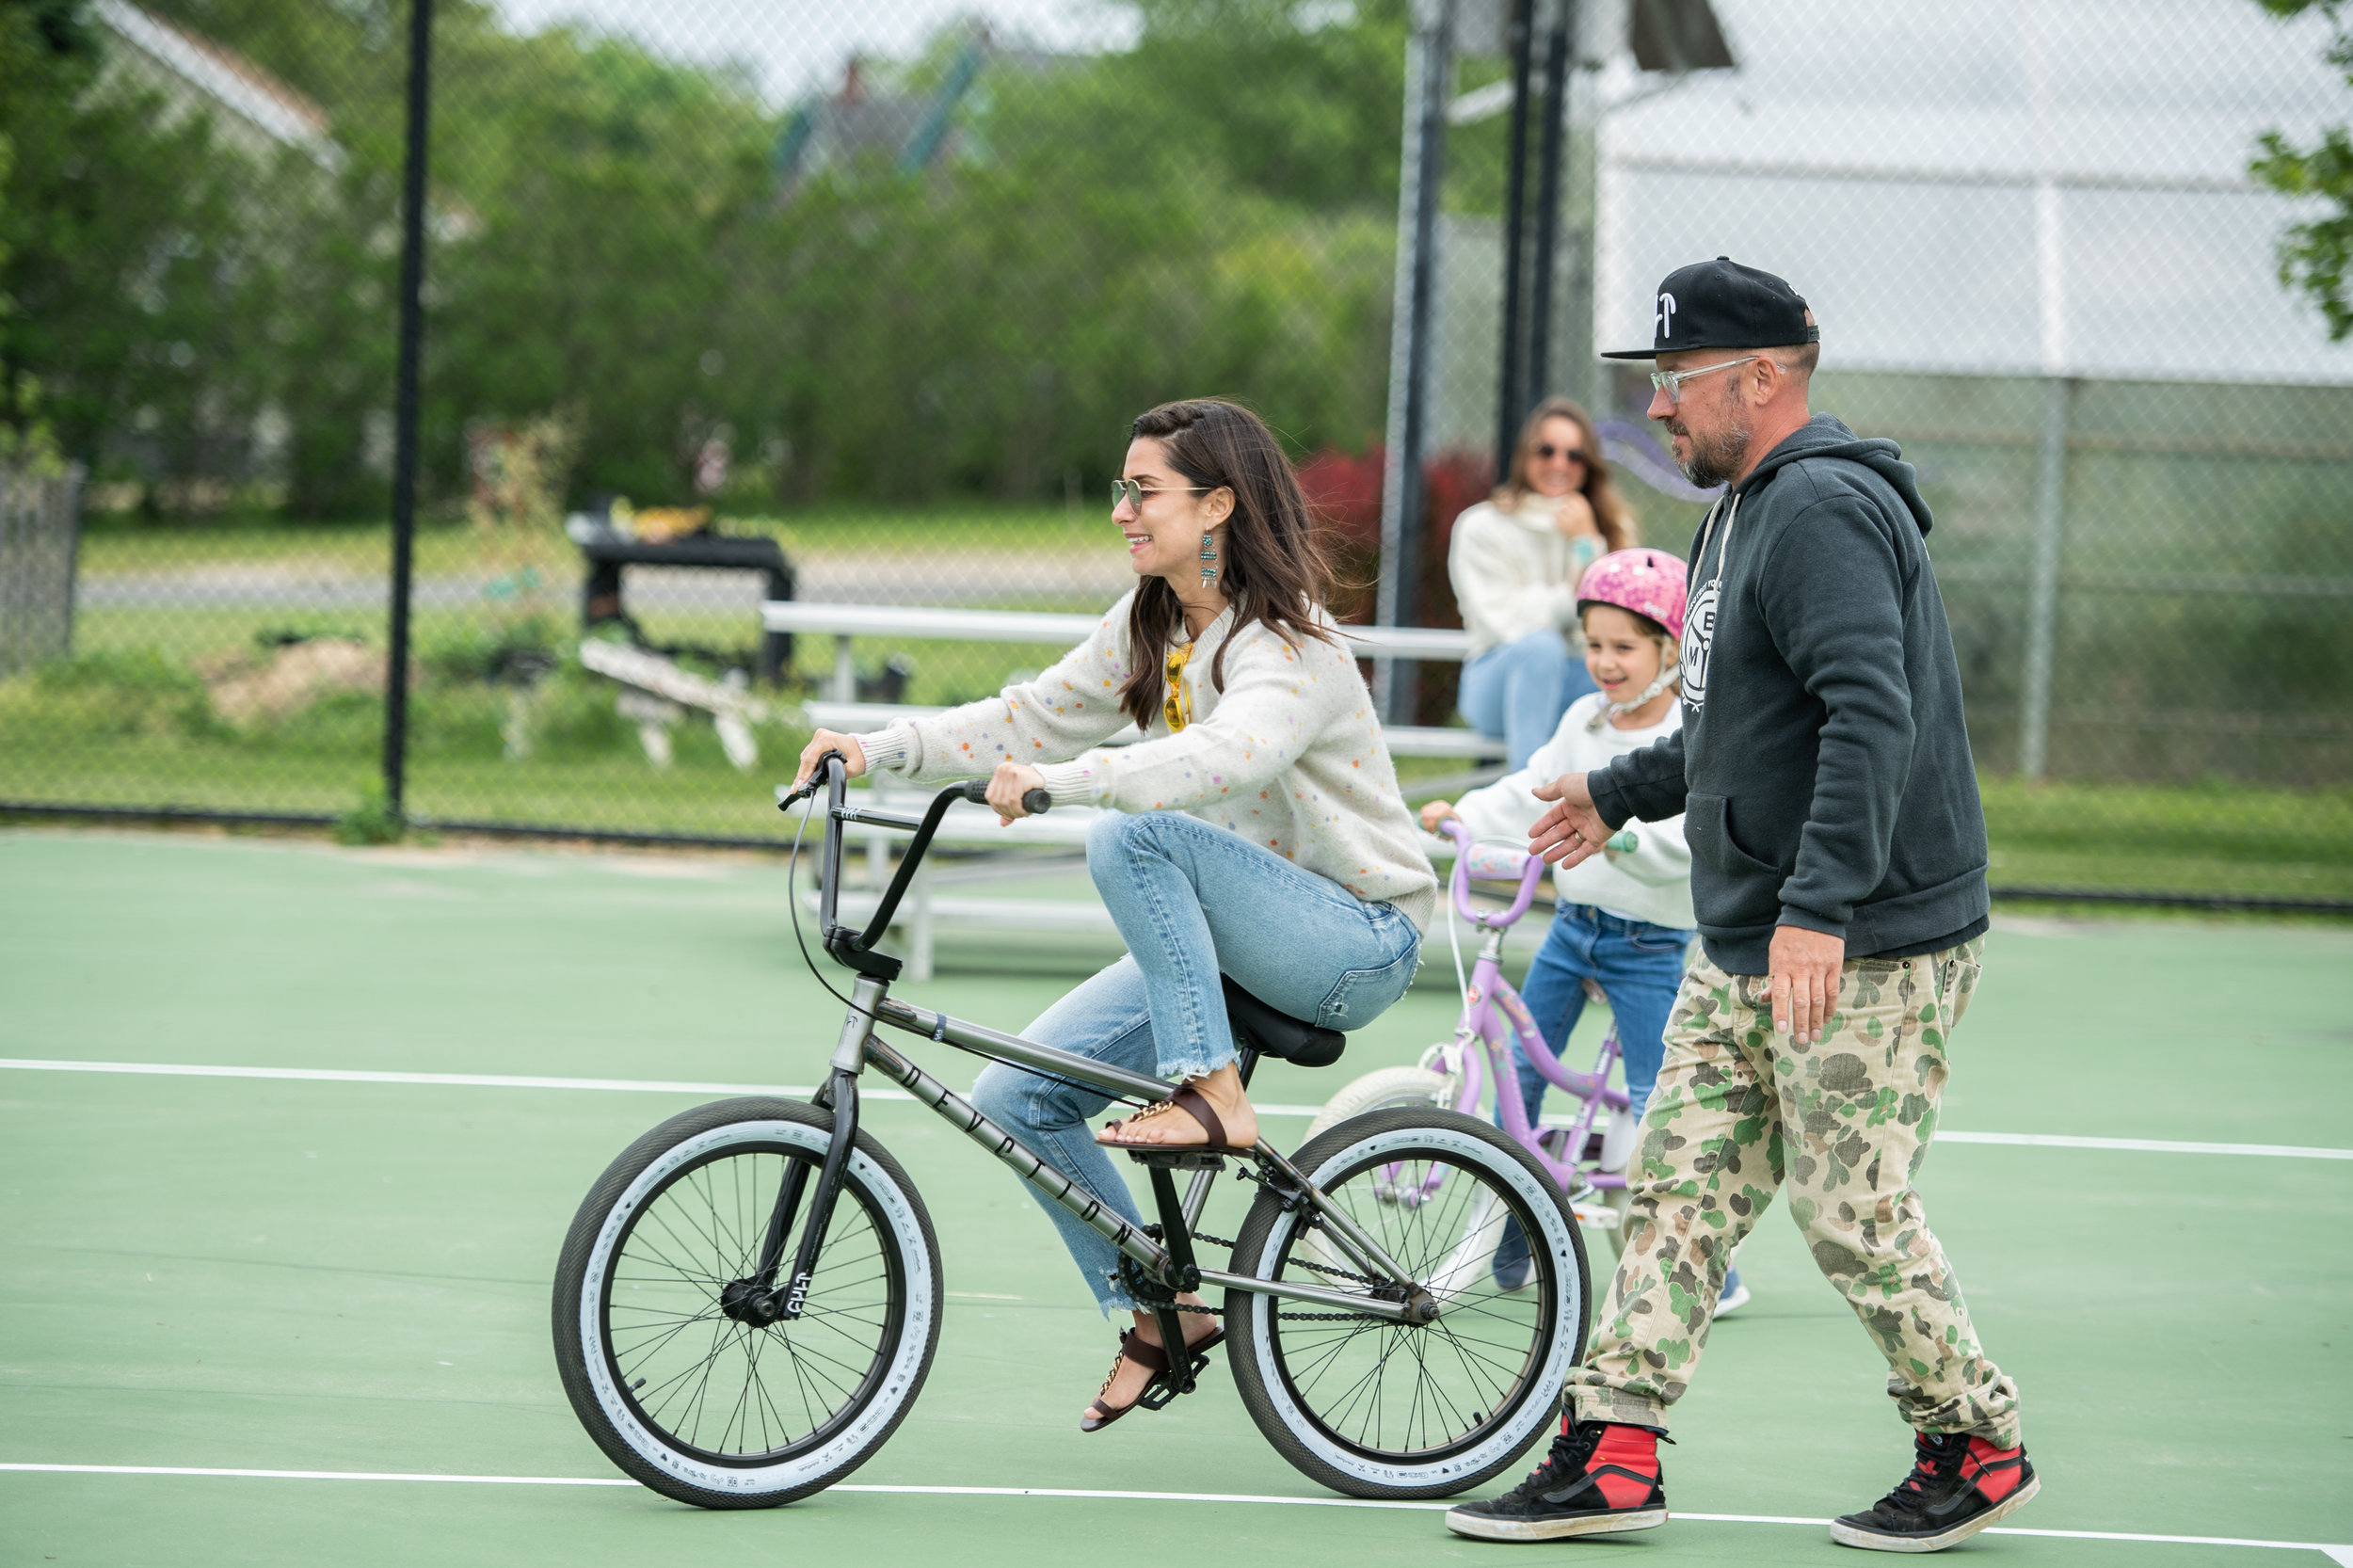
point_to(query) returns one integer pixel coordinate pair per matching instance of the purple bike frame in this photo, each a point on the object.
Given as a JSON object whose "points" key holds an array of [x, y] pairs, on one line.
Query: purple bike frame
{"points": [[1494, 1015]]}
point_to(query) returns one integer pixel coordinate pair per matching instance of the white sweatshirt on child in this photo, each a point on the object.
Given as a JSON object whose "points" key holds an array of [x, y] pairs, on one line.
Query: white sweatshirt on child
{"points": [[1289, 754], [1651, 882]]}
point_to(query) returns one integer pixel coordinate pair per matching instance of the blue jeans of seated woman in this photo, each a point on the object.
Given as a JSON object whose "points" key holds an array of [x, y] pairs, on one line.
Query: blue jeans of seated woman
{"points": [[1190, 900], [1520, 690]]}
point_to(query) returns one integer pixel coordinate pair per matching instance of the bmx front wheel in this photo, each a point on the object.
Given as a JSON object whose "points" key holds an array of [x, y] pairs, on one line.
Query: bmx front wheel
{"points": [[1374, 1407], [706, 1405]]}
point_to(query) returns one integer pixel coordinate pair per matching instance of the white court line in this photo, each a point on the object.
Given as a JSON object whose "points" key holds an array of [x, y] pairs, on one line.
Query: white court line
{"points": [[2146, 1145], [2340, 1554], [666, 1086]]}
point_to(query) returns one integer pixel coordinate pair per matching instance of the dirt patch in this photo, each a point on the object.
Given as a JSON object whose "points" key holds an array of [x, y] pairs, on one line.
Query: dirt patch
{"points": [[246, 690]]}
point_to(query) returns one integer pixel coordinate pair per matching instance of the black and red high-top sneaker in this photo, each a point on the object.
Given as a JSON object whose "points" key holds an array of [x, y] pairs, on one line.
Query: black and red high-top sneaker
{"points": [[1600, 1477], [1957, 1486]]}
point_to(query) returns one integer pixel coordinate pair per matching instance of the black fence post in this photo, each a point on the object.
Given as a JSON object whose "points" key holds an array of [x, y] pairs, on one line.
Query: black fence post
{"points": [[1547, 260], [405, 408], [1512, 367], [1429, 86]]}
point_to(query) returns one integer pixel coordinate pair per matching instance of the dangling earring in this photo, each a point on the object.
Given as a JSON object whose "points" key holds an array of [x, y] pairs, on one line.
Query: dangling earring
{"points": [[1208, 554]]}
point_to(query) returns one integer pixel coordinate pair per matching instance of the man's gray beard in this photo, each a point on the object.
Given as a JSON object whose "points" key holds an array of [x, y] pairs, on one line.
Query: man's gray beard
{"points": [[1714, 461]]}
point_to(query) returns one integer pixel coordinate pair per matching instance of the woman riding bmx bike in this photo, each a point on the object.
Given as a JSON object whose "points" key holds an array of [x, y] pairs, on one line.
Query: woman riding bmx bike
{"points": [[1257, 829]]}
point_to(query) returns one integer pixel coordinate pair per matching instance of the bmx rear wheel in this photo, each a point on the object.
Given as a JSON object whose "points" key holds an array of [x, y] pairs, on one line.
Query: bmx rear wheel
{"points": [[1377, 1408], [691, 1395], [1383, 1089]]}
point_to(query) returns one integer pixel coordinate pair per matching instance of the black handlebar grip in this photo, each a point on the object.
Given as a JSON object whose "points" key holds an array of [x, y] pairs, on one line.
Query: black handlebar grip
{"points": [[1034, 801]]}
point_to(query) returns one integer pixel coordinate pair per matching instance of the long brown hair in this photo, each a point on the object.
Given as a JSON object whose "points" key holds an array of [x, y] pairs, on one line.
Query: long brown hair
{"points": [[1274, 565], [1612, 515]]}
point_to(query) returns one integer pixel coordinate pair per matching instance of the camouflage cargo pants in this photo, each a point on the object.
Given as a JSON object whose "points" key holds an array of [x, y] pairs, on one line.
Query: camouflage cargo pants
{"points": [[1844, 1124]]}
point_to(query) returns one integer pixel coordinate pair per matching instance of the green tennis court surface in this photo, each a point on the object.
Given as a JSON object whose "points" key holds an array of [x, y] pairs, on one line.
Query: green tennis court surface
{"points": [[351, 1277]]}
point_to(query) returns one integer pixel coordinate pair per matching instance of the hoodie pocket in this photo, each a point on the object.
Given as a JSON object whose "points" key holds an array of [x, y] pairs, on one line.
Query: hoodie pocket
{"points": [[1745, 890]]}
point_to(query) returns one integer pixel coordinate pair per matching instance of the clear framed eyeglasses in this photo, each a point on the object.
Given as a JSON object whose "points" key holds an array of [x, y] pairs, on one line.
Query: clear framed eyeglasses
{"points": [[1671, 382], [1132, 492]]}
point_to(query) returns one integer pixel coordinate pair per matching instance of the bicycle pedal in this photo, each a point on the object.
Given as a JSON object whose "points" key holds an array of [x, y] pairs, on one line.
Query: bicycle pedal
{"points": [[1163, 1389], [1178, 1159]]}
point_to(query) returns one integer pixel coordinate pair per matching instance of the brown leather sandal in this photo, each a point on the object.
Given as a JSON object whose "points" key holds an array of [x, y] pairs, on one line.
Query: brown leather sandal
{"points": [[1192, 1103], [1136, 1348]]}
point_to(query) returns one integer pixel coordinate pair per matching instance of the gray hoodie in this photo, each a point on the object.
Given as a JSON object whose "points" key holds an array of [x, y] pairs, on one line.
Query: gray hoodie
{"points": [[1822, 765]]}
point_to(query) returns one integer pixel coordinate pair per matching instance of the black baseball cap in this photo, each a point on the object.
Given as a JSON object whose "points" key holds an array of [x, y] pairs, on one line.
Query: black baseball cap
{"points": [[1721, 304]]}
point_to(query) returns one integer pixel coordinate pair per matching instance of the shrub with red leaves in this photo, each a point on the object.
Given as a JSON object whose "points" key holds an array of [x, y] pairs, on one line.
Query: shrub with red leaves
{"points": [[1345, 492]]}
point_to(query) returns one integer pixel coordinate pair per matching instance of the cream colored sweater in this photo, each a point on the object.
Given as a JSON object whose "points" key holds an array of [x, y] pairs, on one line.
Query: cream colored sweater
{"points": [[1515, 572], [1289, 756]]}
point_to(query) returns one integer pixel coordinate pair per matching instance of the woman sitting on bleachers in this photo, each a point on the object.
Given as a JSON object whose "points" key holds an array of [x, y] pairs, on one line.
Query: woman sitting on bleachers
{"points": [[1515, 562]]}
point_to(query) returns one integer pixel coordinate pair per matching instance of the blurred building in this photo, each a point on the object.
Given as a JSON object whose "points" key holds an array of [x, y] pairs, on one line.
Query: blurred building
{"points": [[873, 121]]}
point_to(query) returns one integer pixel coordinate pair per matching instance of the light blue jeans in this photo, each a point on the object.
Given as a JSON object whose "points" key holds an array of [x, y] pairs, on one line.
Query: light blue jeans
{"points": [[1520, 690], [1190, 900]]}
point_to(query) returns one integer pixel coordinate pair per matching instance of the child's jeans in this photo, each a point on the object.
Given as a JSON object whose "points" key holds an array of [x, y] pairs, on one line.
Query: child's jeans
{"points": [[1640, 968]]}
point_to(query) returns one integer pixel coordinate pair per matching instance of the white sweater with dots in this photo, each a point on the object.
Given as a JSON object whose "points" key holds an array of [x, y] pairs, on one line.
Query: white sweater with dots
{"points": [[1289, 754]]}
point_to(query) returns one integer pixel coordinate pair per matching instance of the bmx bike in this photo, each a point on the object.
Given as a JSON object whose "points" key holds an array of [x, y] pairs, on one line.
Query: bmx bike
{"points": [[748, 1301], [1585, 1162]]}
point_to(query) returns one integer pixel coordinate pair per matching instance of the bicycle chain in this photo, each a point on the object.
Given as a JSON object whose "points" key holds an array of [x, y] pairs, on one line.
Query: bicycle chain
{"points": [[1291, 1317]]}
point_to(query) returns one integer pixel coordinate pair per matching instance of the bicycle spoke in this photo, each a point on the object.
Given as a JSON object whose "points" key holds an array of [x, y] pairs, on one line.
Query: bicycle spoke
{"points": [[1412, 1389], [727, 1394]]}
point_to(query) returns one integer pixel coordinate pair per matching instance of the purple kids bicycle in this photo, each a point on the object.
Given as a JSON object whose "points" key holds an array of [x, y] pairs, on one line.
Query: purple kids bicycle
{"points": [[1585, 1153]]}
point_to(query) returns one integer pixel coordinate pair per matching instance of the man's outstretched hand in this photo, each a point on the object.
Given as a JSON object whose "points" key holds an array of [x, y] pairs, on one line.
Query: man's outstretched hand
{"points": [[1571, 830]]}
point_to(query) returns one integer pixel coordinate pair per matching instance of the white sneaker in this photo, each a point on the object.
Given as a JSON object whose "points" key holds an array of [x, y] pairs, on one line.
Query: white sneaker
{"points": [[1733, 1299]]}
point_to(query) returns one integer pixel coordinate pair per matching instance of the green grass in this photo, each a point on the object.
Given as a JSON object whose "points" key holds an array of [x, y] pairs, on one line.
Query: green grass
{"points": [[353, 1277], [127, 722], [157, 747], [2212, 839]]}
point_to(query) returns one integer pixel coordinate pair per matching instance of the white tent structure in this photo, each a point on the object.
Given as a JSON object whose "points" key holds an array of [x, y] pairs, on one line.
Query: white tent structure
{"points": [[1985, 186]]}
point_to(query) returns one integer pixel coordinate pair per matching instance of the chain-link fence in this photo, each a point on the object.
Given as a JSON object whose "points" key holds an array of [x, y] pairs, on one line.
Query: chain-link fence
{"points": [[847, 307]]}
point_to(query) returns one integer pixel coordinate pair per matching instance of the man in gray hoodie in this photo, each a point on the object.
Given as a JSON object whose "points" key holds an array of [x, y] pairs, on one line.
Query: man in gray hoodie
{"points": [[1838, 874]]}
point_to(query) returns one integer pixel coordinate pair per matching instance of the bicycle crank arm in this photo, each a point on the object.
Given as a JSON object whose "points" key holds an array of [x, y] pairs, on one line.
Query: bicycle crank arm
{"points": [[1421, 1307]]}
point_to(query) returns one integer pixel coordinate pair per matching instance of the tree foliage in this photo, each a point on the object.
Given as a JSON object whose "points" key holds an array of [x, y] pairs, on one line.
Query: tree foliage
{"points": [[1210, 211], [2314, 256]]}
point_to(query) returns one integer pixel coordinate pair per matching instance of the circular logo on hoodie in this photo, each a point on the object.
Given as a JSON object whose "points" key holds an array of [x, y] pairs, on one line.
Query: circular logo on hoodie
{"points": [[1699, 629]]}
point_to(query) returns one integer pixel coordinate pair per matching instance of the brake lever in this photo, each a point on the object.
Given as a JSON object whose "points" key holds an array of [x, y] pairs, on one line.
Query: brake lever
{"points": [[800, 793]]}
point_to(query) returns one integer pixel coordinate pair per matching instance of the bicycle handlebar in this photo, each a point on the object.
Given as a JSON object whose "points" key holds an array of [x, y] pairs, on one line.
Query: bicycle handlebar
{"points": [[1034, 801], [1531, 873], [832, 776]]}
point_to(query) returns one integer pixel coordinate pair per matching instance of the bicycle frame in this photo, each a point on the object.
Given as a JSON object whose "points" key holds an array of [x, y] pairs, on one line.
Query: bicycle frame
{"points": [[1166, 1259], [1494, 1015]]}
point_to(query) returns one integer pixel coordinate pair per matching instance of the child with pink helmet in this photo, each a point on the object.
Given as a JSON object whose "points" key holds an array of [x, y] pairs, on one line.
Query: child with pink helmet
{"points": [[1624, 919]]}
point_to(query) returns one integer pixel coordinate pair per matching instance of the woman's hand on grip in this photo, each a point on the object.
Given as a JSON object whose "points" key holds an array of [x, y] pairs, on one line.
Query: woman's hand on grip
{"points": [[1011, 781], [853, 754]]}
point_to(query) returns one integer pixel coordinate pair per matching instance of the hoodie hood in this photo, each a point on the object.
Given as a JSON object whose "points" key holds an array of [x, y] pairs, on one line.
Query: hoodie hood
{"points": [[1826, 436]]}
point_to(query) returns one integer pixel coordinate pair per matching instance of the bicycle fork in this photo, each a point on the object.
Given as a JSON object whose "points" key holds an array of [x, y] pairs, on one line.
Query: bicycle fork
{"points": [[755, 1298]]}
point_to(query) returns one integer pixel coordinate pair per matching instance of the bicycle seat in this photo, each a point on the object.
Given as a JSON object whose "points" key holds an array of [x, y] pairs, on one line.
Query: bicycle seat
{"points": [[1272, 1034]]}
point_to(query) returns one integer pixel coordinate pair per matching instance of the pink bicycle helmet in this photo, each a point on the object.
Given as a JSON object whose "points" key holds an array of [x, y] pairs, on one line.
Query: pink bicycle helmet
{"points": [[1648, 582]]}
